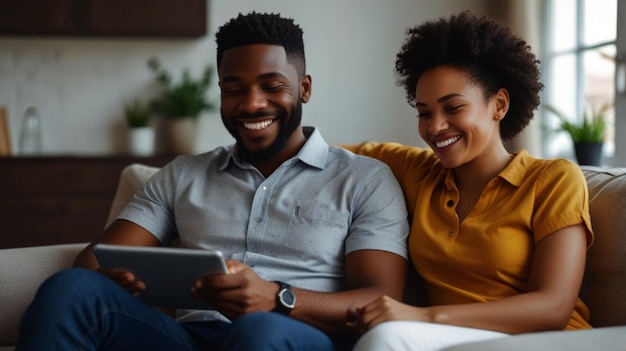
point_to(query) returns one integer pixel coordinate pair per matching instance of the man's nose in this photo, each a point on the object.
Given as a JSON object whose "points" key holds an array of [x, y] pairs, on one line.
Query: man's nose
{"points": [[253, 101]]}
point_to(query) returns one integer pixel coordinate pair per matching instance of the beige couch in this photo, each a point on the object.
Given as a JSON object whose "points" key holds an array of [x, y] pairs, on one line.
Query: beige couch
{"points": [[604, 287]]}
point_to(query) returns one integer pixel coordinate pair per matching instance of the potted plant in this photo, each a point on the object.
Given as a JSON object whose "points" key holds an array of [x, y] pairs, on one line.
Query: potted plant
{"points": [[180, 104], [140, 131], [587, 135]]}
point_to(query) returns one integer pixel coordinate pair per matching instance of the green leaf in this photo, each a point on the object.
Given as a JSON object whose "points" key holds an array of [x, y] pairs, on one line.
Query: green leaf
{"points": [[137, 114], [591, 129], [187, 98]]}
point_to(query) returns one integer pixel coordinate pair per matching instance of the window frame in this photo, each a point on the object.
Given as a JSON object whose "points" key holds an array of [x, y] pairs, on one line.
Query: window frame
{"points": [[548, 121]]}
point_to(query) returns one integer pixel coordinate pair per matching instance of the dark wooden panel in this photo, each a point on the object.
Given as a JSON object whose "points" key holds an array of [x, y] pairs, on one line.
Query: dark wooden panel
{"points": [[38, 16], [57, 200], [146, 17], [117, 18]]}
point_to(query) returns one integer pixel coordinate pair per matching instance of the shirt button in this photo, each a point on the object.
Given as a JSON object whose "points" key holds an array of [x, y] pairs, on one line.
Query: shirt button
{"points": [[258, 219], [450, 203]]}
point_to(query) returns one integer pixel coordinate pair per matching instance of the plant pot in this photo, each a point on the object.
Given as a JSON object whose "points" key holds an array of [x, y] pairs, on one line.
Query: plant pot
{"points": [[181, 135], [141, 141], [589, 154]]}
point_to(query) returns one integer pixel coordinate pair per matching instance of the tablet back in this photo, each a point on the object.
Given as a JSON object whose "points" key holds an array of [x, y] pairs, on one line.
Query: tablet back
{"points": [[169, 273]]}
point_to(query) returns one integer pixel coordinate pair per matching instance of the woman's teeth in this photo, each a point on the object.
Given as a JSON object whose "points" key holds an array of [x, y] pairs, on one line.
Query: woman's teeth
{"points": [[447, 142]]}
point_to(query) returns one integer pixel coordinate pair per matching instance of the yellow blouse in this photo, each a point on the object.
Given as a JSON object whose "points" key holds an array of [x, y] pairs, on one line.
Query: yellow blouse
{"points": [[488, 256]]}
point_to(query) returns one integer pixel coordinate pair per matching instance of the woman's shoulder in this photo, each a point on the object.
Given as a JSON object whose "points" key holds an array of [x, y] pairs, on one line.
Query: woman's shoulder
{"points": [[559, 166], [552, 170]]}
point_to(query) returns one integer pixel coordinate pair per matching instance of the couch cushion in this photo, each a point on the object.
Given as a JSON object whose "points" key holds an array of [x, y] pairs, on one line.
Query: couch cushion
{"points": [[602, 339], [604, 285], [132, 178], [22, 270]]}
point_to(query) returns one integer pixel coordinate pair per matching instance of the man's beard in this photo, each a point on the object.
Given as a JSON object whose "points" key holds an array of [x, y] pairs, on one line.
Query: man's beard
{"points": [[287, 127]]}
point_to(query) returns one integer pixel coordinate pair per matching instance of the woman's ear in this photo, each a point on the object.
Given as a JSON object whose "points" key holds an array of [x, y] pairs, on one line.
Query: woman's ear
{"points": [[306, 87], [502, 104]]}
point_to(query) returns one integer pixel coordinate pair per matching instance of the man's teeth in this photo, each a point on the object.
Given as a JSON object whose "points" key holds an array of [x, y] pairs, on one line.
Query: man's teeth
{"points": [[447, 142], [258, 125]]}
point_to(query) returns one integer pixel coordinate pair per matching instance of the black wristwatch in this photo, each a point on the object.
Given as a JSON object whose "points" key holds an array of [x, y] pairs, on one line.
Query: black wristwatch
{"points": [[285, 299]]}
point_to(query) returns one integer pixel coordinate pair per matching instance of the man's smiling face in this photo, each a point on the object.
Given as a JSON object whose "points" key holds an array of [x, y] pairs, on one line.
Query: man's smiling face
{"points": [[261, 99]]}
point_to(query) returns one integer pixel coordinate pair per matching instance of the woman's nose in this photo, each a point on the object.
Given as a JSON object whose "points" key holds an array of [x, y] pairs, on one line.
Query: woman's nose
{"points": [[437, 123]]}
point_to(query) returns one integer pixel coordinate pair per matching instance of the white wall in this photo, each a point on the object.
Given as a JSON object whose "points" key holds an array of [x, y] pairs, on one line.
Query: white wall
{"points": [[80, 85], [620, 99]]}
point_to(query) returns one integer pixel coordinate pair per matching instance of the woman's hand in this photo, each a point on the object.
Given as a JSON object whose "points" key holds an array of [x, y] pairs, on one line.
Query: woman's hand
{"points": [[382, 310]]}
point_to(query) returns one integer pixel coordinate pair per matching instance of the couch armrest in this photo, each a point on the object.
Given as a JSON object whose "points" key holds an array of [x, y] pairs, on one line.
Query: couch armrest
{"points": [[22, 270]]}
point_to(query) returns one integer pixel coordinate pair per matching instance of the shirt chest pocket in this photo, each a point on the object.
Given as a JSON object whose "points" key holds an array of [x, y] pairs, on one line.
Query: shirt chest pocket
{"points": [[319, 214], [309, 224]]}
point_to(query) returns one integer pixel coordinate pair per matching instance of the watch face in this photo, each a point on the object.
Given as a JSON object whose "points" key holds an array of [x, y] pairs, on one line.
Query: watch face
{"points": [[287, 298]]}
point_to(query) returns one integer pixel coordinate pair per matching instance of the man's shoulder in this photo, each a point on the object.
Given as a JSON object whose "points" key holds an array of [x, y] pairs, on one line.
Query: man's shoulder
{"points": [[350, 159], [217, 155], [189, 166]]}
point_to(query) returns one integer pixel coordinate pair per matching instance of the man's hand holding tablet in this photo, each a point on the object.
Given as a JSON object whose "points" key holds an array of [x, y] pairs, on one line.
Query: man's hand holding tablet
{"points": [[162, 277]]}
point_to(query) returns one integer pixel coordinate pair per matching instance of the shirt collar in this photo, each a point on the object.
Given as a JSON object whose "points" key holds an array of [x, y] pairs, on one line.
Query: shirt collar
{"points": [[514, 173], [314, 152], [516, 170]]}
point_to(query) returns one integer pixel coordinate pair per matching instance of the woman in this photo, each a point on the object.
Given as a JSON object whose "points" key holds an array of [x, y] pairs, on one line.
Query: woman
{"points": [[498, 238]]}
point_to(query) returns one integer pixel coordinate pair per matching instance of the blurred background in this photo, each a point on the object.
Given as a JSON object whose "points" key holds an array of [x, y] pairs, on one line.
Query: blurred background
{"points": [[80, 82]]}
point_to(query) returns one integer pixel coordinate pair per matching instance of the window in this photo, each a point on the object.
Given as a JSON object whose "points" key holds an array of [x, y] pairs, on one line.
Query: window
{"points": [[578, 61]]}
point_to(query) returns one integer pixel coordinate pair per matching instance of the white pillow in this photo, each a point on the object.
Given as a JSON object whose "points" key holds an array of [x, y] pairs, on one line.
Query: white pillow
{"points": [[132, 180]]}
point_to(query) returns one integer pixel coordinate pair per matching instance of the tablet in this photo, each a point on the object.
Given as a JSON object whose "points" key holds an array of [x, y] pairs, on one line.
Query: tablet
{"points": [[169, 273]]}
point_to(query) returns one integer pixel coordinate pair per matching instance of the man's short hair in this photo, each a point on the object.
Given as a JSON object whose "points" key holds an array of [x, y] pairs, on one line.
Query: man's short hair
{"points": [[263, 28]]}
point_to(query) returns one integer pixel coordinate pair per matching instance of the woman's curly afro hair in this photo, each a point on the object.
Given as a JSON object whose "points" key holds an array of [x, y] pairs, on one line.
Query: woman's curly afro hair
{"points": [[491, 54]]}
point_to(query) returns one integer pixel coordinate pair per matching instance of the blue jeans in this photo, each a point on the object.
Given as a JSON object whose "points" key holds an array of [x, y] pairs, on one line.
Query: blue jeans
{"points": [[79, 309]]}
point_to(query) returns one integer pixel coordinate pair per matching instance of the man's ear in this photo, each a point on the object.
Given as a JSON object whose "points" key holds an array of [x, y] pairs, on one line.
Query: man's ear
{"points": [[306, 87]]}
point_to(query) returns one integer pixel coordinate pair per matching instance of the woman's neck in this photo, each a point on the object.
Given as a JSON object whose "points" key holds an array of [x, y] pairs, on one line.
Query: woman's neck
{"points": [[480, 171]]}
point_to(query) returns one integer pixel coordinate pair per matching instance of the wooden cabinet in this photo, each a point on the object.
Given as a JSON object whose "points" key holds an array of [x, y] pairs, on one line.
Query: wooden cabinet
{"points": [[124, 18], [38, 16], [57, 200]]}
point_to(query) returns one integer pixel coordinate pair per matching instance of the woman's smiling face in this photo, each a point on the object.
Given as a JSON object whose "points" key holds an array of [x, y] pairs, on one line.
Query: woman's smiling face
{"points": [[455, 118]]}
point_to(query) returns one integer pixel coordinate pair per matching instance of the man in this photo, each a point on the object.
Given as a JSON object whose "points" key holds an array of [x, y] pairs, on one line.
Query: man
{"points": [[295, 216]]}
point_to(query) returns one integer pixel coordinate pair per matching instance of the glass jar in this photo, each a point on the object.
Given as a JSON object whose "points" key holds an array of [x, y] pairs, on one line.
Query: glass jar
{"points": [[30, 141]]}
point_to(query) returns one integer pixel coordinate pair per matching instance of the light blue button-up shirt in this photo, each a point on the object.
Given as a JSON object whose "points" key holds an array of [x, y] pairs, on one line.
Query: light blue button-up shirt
{"points": [[295, 225]]}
